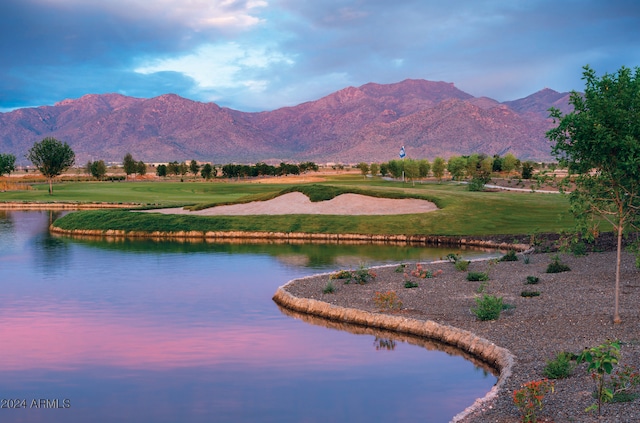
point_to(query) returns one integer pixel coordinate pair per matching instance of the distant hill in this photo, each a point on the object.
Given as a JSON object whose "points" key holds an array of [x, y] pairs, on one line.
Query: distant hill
{"points": [[367, 123]]}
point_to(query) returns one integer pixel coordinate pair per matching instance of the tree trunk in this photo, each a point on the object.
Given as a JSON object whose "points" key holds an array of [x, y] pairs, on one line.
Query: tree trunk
{"points": [[616, 313], [50, 186]]}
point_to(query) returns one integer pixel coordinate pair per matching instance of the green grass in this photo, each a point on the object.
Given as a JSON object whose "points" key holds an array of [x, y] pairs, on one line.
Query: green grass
{"points": [[461, 212]]}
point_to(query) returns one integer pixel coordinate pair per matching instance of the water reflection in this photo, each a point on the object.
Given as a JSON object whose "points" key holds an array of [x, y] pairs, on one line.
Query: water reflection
{"points": [[166, 332]]}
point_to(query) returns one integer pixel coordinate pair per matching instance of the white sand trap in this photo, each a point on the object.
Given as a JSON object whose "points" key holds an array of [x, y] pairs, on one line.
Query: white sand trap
{"points": [[298, 203]]}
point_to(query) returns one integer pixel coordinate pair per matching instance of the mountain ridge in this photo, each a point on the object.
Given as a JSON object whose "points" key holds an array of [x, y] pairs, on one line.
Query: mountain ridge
{"points": [[365, 123]]}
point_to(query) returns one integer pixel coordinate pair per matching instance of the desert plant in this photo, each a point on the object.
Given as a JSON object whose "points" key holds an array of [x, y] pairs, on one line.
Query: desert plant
{"points": [[556, 266], [529, 398], [532, 280], [488, 307], [561, 366], [387, 301], [329, 288], [410, 284], [477, 276], [400, 268], [462, 265], [526, 258], [510, 256], [529, 294]]}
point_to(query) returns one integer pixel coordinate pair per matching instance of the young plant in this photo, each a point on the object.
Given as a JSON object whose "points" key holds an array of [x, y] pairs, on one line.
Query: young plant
{"points": [[529, 294], [532, 280], [601, 361], [477, 276], [488, 307], [424, 273], [556, 267], [400, 268], [560, 367], [329, 288], [387, 301], [510, 256], [529, 398], [462, 265], [410, 284]]}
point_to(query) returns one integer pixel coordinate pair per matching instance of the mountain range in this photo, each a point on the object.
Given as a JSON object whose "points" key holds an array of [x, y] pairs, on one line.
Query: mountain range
{"points": [[368, 123]]}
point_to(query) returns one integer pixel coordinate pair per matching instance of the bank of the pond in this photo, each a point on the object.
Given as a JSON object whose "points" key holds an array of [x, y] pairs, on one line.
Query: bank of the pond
{"points": [[573, 311], [17, 205]]}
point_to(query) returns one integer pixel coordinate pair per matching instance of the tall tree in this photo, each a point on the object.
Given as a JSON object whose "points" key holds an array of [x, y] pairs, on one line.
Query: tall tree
{"points": [[599, 142], [194, 167], [98, 169], [51, 157], [438, 167], [129, 164], [206, 171], [7, 164]]}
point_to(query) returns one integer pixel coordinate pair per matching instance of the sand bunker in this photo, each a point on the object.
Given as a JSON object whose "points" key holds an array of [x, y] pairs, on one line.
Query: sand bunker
{"points": [[298, 203]]}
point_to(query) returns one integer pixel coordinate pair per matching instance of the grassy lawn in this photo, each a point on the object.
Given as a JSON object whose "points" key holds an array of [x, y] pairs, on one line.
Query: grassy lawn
{"points": [[461, 212]]}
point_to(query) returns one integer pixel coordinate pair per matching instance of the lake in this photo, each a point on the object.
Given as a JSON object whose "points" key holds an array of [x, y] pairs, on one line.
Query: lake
{"points": [[144, 331]]}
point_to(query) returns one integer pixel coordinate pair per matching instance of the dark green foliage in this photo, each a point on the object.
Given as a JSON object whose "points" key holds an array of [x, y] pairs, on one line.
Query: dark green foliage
{"points": [[579, 249], [529, 294], [561, 366], [51, 157], [329, 288], [462, 265], [7, 164], [410, 284], [488, 307], [532, 280], [477, 276], [557, 267], [510, 256]]}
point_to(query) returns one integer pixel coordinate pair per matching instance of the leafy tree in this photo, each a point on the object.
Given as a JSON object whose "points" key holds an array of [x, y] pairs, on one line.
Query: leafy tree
{"points": [[456, 167], [375, 169], [51, 157], [141, 168], [98, 169], [424, 167], [496, 166], [527, 169], [509, 163], [194, 167], [129, 164], [7, 164], [599, 142], [161, 170], [384, 169], [364, 168], [396, 167], [438, 168], [182, 170], [411, 170], [206, 171]]}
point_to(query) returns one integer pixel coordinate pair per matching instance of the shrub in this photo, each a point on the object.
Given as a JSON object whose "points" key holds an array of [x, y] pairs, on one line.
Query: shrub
{"points": [[387, 301], [529, 294], [477, 276], [401, 268], [532, 280], [510, 256], [488, 307], [410, 284], [560, 367], [579, 249], [453, 257], [329, 288], [360, 276], [529, 398], [462, 265], [556, 267]]}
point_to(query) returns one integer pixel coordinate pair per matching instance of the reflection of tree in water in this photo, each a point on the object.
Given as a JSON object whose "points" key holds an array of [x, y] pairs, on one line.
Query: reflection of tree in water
{"points": [[52, 252], [384, 344]]}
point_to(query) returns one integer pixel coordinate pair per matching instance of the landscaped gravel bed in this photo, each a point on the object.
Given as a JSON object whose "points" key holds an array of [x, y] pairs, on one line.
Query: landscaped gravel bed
{"points": [[574, 311]]}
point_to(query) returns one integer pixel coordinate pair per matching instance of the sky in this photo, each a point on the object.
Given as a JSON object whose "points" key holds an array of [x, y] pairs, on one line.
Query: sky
{"points": [[256, 55]]}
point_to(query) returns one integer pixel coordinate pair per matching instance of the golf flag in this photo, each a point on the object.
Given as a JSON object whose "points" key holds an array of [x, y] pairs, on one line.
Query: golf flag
{"points": [[402, 153]]}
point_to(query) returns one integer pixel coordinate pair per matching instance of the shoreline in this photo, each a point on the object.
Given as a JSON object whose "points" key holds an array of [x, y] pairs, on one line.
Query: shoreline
{"points": [[574, 311]]}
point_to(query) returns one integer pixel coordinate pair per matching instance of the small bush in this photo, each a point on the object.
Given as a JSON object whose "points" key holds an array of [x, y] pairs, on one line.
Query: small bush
{"points": [[510, 256], [410, 284], [329, 288], [532, 280], [477, 276], [488, 307], [387, 301], [526, 258], [556, 267], [579, 249], [462, 265], [560, 367], [401, 268], [529, 294]]}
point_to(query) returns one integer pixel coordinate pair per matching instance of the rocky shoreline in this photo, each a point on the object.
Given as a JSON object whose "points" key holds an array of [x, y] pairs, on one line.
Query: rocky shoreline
{"points": [[574, 310]]}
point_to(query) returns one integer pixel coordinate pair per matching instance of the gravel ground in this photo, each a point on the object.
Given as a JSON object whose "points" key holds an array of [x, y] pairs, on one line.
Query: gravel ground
{"points": [[574, 311]]}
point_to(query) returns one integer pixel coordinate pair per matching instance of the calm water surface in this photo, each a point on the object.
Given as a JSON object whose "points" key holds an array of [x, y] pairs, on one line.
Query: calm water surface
{"points": [[171, 332]]}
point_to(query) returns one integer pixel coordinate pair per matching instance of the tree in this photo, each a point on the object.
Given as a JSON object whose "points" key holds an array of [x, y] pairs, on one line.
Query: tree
{"points": [[527, 169], [375, 169], [438, 168], [364, 168], [599, 142], [456, 167], [7, 164], [182, 170], [98, 169], [129, 164], [206, 171], [51, 157], [194, 167], [161, 170], [412, 170], [509, 163], [425, 168]]}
